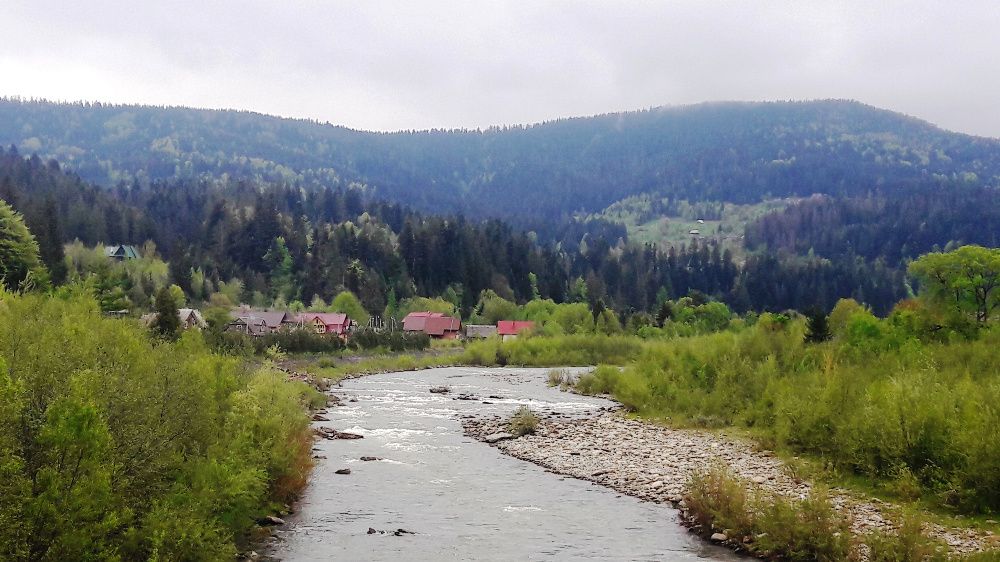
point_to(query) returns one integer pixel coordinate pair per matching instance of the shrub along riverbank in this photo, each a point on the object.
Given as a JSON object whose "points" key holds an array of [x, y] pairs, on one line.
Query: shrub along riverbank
{"points": [[918, 417], [545, 351], [116, 446]]}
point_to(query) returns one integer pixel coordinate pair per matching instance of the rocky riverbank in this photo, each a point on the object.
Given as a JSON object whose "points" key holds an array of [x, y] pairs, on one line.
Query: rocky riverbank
{"points": [[654, 463]]}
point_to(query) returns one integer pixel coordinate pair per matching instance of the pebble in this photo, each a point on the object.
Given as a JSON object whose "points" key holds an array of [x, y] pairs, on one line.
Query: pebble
{"points": [[654, 463]]}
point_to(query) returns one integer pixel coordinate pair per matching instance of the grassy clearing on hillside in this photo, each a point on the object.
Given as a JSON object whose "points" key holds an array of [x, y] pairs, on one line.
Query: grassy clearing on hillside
{"points": [[651, 220]]}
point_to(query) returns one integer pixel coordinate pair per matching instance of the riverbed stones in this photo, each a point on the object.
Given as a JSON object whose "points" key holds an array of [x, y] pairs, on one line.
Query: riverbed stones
{"points": [[371, 458], [270, 521], [719, 537], [440, 390], [498, 436], [342, 471], [654, 463], [330, 433]]}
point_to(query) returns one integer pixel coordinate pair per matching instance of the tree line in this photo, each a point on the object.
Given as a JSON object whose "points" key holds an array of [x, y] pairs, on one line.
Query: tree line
{"points": [[268, 244]]}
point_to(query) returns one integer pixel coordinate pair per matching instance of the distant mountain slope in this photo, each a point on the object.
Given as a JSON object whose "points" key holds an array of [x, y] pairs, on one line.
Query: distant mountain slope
{"points": [[738, 152]]}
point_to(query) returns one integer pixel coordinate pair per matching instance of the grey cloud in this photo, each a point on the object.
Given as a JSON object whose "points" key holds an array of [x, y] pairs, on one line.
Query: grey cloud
{"points": [[385, 65]]}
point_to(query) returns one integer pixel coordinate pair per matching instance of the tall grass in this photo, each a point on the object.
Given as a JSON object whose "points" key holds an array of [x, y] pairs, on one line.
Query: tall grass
{"points": [[554, 351], [920, 417], [768, 524]]}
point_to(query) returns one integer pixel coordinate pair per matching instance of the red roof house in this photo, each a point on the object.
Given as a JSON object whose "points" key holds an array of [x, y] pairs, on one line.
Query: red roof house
{"points": [[434, 324], [326, 322], [509, 329]]}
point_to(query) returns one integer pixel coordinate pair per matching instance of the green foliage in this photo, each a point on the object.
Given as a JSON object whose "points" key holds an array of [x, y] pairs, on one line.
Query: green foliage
{"points": [[841, 314], [523, 422], [772, 525], [876, 401], [349, 304], [908, 544], [607, 323], [817, 327], [572, 318], [280, 262], [493, 308], [966, 280], [18, 250], [418, 304], [167, 322], [599, 381], [290, 341], [395, 340], [116, 447]]}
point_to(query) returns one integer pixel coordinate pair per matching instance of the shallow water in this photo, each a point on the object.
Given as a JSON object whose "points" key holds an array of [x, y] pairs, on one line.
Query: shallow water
{"points": [[462, 499]]}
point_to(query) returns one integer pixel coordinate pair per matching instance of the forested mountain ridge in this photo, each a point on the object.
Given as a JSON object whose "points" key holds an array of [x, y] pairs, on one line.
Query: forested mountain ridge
{"points": [[738, 152]]}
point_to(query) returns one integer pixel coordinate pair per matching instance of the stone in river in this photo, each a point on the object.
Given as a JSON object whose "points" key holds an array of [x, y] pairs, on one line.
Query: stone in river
{"points": [[271, 520], [343, 471], [494, 437], [719, 537]]}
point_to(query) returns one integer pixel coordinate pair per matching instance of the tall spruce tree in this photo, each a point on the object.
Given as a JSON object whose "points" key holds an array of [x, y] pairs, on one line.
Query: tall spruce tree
{"points": [[817, 326], [167, 322]]}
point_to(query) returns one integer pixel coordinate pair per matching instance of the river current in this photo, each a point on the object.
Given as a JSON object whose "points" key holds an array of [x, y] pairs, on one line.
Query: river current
{"points": [[462, 499]]}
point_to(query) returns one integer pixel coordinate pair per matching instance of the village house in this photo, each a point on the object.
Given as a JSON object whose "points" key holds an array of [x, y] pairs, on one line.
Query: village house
{"points": [[274, 320], [509, 329], [249, 324], [121, 252], [190, 318], [326, 322], [480, 331], [434, 324]]}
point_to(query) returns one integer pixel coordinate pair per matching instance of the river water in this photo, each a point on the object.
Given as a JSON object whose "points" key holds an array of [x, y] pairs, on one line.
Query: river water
{"points": [[462, 499]]}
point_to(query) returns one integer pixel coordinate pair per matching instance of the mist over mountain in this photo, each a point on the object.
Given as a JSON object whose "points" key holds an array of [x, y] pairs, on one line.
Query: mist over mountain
{"points": [[738, 152]]}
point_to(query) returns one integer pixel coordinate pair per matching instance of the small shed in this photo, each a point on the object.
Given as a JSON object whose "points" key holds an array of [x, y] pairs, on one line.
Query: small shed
{"points": [[480, 331]]}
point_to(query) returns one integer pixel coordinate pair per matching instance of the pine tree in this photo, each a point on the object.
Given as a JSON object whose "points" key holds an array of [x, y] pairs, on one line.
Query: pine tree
{"points": [[168, 321], [817, 326], [50, 242]]}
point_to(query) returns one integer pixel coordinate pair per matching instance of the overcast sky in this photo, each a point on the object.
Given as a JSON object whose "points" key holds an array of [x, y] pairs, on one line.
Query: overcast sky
{"points": [[423, 64]]}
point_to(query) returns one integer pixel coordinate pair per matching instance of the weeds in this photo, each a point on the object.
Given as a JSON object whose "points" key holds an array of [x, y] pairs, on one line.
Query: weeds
{"points": [[768, 524], [523, 422]]}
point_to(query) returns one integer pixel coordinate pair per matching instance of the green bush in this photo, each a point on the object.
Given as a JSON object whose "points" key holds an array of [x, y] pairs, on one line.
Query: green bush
{"points": [[555, 351], [523, 422], [599, 381], [907, 544], [392, 340], [113, 446], [920, 417], [771, 525]]}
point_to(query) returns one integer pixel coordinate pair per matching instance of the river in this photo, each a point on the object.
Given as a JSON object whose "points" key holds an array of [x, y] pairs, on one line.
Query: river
{"points": [[461, 499]]}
